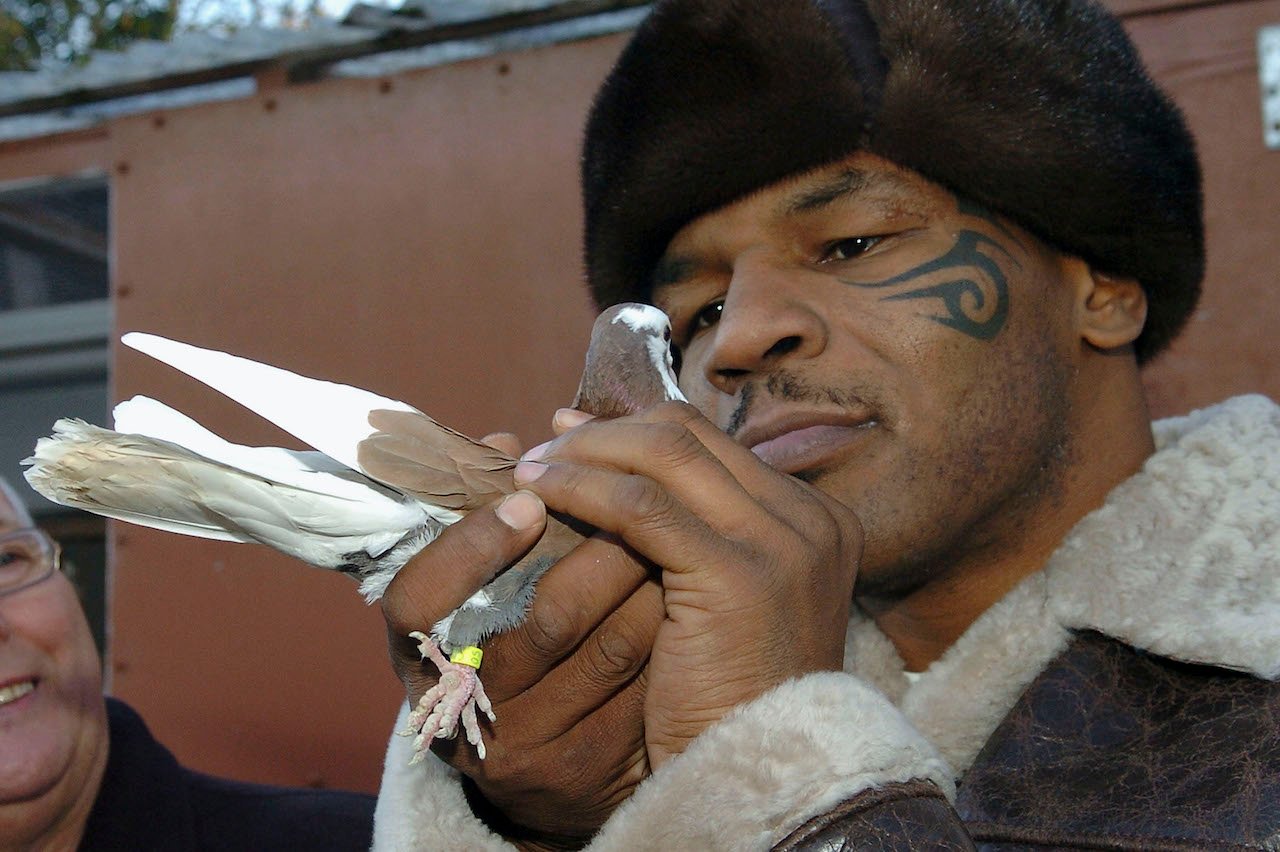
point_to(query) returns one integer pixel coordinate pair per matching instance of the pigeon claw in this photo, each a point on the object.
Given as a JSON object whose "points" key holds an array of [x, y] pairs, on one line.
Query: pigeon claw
{"points": [[456, 697]]}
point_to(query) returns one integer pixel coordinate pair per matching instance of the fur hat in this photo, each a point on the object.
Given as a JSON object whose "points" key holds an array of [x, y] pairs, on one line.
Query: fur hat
{"points": [[1038, 109]]}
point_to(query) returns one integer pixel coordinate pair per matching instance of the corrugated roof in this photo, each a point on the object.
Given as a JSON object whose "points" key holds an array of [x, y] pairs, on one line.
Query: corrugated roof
{"points": [[197, 67]]}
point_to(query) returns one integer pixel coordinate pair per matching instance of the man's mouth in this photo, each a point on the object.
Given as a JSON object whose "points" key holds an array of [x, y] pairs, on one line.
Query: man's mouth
{"points": [[13, 691], [799, 443]]}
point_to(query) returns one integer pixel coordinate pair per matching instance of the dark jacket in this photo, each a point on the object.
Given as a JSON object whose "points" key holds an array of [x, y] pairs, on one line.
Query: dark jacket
{"points": [[149, 802], [1109, 748], [1126, 696]]}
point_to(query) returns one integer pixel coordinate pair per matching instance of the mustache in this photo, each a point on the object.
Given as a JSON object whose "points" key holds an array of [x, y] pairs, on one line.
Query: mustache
{"points": [[790, 387]]}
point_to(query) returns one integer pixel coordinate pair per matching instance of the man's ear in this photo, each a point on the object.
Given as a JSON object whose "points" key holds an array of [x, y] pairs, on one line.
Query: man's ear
{"points": [[1111, 310]]}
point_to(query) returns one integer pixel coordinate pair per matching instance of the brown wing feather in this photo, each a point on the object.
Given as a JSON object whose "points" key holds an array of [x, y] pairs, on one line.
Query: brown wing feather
{"points": [[436, 464]]}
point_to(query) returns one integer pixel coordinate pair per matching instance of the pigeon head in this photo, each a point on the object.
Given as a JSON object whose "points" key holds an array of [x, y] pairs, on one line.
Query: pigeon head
{"points": [[629, 365]]}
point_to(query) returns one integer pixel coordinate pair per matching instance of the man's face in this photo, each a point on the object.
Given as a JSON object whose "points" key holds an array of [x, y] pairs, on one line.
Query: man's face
{"points": [[908, 352], [53, 737]]}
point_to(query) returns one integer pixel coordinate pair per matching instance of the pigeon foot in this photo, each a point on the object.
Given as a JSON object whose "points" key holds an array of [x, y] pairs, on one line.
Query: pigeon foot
{"points": [[457, 696]]}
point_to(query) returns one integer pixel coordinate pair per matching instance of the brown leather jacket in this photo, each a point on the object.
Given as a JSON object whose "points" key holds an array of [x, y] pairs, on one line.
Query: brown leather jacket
{"points": [[1109, 748]]}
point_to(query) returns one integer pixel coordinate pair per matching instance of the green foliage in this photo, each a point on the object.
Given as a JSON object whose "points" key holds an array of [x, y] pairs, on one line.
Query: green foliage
{"points": [[33, 32]]}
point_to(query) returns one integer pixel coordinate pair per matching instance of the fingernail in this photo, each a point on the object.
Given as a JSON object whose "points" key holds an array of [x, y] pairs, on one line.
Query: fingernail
{"points": [[528, 471], [520, 510], [535, 453], [567, 418]]}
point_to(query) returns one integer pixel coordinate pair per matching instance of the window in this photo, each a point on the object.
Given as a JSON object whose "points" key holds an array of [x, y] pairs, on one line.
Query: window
{"points": [[53, 243], [55, 319]]}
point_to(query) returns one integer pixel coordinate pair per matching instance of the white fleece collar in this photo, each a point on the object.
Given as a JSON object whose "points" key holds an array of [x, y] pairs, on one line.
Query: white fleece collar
{"points": [[1182, 559]]}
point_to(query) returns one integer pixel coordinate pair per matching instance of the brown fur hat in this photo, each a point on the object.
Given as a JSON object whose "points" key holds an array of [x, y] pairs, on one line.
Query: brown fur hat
{"points": [[1038, 109]]}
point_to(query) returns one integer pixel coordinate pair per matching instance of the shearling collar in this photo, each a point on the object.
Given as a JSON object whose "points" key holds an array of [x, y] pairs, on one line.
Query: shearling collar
{"points": [[1182, 560]]}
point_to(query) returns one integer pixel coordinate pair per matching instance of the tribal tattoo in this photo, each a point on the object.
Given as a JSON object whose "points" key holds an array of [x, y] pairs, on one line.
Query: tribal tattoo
{"points": [[967, 295]]}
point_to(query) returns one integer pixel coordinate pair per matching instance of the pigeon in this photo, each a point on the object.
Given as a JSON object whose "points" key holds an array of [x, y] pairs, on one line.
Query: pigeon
{"points": [[382, 482]]}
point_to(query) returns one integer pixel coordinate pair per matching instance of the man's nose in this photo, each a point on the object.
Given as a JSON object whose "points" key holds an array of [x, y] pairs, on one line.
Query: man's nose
{"points": [[768, 318]]}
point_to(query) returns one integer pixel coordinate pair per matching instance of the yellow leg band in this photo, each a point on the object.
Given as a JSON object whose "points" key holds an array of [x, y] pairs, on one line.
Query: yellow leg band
{"points": [[468, 656]]}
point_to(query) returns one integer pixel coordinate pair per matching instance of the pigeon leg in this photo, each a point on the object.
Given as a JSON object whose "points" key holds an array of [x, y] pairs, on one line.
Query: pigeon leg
{"points": [[455, 697]]}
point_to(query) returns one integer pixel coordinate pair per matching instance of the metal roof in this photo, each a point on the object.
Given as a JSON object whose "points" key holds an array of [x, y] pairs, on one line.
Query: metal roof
{"points": [[199, 67]]}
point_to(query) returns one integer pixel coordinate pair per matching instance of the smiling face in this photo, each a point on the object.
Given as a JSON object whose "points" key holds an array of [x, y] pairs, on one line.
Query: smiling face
{"points": [[53, 730], [909, 353]]}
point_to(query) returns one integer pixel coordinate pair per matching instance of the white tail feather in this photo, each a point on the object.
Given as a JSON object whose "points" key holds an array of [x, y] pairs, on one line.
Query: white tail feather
{"points": [[142, 415], [73, 468], [314, 515]]}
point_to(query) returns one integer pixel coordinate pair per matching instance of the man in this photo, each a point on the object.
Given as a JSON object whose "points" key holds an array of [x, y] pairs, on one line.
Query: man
{"points": [[914, 254], [80, 772]]}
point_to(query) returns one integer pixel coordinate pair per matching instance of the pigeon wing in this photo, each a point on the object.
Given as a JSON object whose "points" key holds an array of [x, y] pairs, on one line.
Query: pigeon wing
{"points": [[432, 462], [332, 417]]}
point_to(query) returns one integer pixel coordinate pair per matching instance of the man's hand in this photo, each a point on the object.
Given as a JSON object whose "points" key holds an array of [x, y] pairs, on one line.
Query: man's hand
{"points": [[566, 686], [757, 573], [757, 567]]}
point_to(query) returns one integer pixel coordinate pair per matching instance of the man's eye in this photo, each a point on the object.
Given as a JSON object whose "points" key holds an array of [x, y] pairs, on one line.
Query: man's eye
{"points": [[708, 316], [849, 248]]}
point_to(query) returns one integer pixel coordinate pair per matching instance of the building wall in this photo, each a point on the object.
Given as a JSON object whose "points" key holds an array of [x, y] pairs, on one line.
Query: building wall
{"points": [[418, 235], [1206, 57], [414, 236]]}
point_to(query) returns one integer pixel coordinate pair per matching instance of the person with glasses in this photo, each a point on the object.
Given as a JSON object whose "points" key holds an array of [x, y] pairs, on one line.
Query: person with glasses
{"points": [[53, 720], [80, 770]]}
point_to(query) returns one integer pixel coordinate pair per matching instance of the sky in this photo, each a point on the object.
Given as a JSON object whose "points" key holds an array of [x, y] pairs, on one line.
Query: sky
{"points": [[199, 14]]}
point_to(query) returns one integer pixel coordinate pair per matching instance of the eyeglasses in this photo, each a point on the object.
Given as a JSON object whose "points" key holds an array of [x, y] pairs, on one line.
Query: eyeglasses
{"points": [[27, 557]]}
